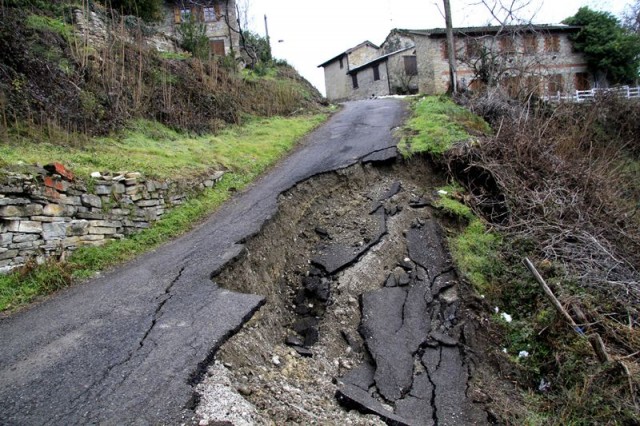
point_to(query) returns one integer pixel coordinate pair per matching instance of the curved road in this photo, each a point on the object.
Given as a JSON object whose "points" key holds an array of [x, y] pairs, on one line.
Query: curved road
{"points": [[127, 347]]}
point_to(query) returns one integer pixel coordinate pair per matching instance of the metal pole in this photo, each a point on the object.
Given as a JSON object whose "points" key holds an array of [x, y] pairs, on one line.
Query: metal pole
{"points": [[451, 47]]}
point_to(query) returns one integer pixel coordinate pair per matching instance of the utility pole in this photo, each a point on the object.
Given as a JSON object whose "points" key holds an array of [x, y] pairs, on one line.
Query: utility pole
{"points": [[266, 30], [451, 48]]}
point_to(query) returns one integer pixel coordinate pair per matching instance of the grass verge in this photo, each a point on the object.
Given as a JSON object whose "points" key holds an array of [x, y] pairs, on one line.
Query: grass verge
{"points": [[160, 152], [247, 151], [436, 124]]}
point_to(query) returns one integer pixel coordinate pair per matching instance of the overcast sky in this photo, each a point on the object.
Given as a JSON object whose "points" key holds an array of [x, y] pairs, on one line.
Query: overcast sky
{"points": [[306, 33]]}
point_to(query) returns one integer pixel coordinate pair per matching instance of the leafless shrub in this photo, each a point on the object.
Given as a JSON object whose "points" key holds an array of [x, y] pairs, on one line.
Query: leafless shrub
{"points": [[566, 178]]}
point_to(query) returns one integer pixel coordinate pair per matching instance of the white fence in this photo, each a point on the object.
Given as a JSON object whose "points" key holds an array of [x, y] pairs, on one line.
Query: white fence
{"points": [[589, 95]]}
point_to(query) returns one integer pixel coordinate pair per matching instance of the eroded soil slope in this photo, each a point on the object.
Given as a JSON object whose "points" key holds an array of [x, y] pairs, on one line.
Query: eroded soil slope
{"points": [[365, 321]]}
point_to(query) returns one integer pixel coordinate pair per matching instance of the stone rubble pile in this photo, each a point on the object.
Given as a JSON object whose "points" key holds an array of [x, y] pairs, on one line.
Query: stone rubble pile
{"points": [[48, 212]]}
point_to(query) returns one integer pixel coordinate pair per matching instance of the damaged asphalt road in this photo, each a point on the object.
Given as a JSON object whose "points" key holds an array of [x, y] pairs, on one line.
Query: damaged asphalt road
{"points": [[129, 347]]}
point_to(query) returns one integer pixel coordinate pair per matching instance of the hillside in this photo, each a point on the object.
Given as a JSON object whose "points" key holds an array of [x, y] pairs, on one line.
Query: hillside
{"points": [[64, 73], [86, 87]]}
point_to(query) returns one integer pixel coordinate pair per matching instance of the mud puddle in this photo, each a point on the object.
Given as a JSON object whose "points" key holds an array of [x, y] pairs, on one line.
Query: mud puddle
{"points": [[365, 321]]}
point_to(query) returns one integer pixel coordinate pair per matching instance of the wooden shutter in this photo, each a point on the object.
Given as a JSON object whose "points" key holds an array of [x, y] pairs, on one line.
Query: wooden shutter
{"points": [[216, 7], [217, 47], [410, 65], [176, 15]]}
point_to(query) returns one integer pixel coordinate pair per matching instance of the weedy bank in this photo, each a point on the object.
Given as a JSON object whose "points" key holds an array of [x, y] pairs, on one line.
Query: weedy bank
{"points": [[558, 184]]}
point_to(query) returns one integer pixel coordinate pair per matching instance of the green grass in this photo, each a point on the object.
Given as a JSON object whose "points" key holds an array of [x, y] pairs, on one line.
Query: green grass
{"points": [[449, 204], [436, 124], [476, 253], [159, 152], [55, 25], [247, 151]]}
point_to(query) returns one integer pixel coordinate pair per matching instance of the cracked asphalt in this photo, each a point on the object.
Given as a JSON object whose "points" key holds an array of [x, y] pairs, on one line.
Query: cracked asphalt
{"points": [[128, 347]]}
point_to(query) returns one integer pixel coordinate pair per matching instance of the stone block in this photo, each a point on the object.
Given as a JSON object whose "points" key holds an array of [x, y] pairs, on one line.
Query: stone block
{"points": [[25, 226], [119, 188], [103, 189], [8, 254], [91, 215], [33, 209], [91, 200], [54, 210], [22, 238], [133, 175], [94, 237], [77, 228], [106, 223], [22, 246], [54, 231], [56, 183], [132, 190], [6, 239], [13, 201], [59, 169], [147, 203], [151, 186], [70, 201], [49, 218], [12, 211], [102, 231], [130, 181]]}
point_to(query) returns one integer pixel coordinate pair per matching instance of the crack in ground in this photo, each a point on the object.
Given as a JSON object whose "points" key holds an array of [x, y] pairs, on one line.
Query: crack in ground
{"points": [[107, 372]]}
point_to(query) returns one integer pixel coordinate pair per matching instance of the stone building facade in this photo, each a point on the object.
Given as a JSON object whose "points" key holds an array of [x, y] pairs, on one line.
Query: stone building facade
{"points": [[537, 59], [338, 82], [218, 16]]}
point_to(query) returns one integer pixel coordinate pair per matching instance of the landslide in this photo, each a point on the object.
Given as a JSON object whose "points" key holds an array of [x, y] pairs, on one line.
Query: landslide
{"points": [[55, 77], [365, 322]]}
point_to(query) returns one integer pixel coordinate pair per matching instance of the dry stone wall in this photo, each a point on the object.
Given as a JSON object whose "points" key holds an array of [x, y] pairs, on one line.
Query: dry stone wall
{"points": [[48, 212]]}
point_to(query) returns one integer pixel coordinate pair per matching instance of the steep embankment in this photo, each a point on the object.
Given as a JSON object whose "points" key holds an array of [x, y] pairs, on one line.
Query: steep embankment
{"points": [[93, 78], [88, 88]]}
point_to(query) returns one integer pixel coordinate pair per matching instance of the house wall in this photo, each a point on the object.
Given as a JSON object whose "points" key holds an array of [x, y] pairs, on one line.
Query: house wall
{"points": [[361, 55], [336, 80], [399, 81], [215, 30], [367, 86], [433, 67], [396, 41]]}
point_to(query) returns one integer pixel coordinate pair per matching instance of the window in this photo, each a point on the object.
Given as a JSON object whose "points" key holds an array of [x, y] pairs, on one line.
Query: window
{"points": [[474, 48], [582, 81], [217, 47], [555, 84], [209, 14], [341, 64], [506, 45], [530, 44], [444, 48], [533, 85], [410, 65], [376, 73], [354, 80], [552, 44], [181, 14]]}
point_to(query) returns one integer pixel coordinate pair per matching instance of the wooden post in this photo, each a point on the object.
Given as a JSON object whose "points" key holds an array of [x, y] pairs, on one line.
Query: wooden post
{"points": [[595, 340], [451, 47]]}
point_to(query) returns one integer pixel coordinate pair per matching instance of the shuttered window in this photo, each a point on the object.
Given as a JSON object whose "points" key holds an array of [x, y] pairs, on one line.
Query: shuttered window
{"points": [[217, 47], [354, 80], [410, 65], [376, 73]]}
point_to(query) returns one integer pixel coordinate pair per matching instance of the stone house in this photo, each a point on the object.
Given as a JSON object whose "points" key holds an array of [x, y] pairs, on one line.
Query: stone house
{"points": [[218, 16], [523, 59], [338, 82]]}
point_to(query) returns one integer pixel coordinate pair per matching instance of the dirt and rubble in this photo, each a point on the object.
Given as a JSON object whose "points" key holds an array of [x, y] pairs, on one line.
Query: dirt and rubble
{"points": [[366, 321]]}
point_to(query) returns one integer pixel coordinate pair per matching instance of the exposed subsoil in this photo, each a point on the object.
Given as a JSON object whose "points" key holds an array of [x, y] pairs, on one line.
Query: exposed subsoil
{"points": [[366, 321]]}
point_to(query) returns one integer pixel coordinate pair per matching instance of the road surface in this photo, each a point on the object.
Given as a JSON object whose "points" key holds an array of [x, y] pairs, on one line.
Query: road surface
{"points": [[128, 347]]}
